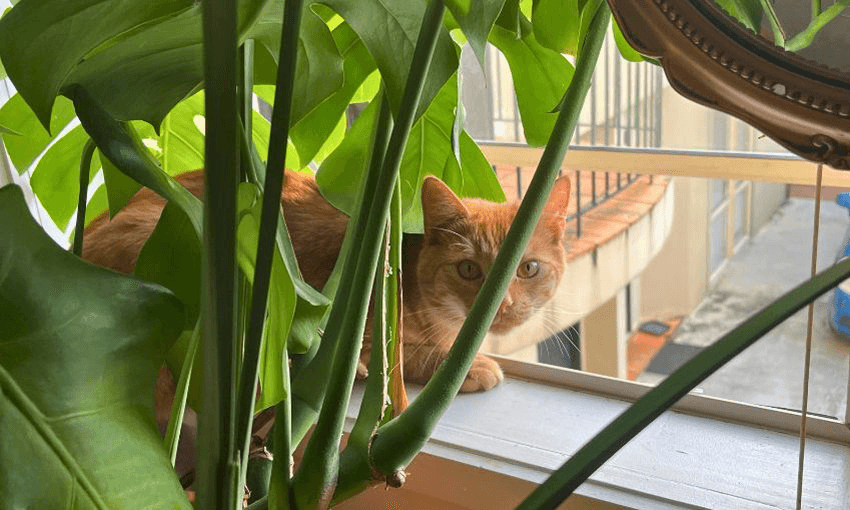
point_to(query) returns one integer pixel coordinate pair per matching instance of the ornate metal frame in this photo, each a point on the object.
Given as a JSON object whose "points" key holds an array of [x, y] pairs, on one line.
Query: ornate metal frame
{"points": [[709, 58]]}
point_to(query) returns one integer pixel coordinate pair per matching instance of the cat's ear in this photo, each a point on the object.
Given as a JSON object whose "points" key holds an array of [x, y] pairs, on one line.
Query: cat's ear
{"points": [[555, 212], [440, 206], [559, 199]]}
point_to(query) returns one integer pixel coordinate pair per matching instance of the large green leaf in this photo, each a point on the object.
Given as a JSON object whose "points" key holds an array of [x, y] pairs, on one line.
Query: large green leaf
{"points": [[281, 301], [626, 51], [179, 148], [340, 175], [80, 350], [33, 138], [428, 152], [180, 144], [56, 179], [313, 132], [509, 17], [171, 257], [540, 76], [319, 67], [181, 139], [137, 59], [59, 34], [390, 30], [748, 12], [476, 19], [557, 24], [120, 187]]}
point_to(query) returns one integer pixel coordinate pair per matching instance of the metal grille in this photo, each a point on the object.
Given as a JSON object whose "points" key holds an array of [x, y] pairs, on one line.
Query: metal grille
{"points": [[623, 108]]}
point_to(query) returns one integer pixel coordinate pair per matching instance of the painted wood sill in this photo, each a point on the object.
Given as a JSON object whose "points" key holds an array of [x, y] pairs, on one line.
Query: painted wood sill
{"points": [[524, 429]]}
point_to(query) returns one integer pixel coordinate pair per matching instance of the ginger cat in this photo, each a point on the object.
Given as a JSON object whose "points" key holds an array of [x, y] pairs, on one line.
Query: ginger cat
{"points": [[443, 269]]}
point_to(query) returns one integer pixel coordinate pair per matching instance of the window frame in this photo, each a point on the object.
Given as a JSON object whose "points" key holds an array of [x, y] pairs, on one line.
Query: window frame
{"points": [[727, 165]]}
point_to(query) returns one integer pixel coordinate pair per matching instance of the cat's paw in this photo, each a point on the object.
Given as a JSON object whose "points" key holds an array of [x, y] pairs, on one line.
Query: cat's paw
{"points": [[484, 375], [362, 371]]}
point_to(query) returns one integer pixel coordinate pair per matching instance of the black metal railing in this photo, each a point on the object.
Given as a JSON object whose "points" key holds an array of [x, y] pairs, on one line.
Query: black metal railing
{"points": [[597, 197]]}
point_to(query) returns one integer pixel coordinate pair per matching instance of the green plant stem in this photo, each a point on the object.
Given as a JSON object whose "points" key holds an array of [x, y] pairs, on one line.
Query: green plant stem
{"points": [[805, 38], [394, 299], [246, 85], [816, 9], [269, 219], [314, 483], [311, 379], [401, 439], [355, 457], [245, 88], [778, 33], [256, 174], [218, 467], [82, 198], [343, 334], [280, 491], [626, 426], [178, 408], [122, 145]]}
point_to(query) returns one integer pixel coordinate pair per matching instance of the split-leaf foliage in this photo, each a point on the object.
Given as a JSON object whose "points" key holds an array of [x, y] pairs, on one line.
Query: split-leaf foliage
{"points": [[80, 346]]}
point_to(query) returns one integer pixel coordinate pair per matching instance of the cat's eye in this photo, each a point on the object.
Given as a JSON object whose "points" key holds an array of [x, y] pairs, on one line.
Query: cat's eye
{"points": [[528, 269], [468, 270]]}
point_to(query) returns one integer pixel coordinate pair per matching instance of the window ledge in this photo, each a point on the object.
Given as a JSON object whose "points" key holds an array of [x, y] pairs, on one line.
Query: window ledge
{"points": [[526, 429]]}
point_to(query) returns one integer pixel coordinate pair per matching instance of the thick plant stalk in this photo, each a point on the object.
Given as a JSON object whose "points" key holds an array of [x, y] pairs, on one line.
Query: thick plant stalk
{"points": [[398, 394], [310, 380], [82, 198], [218, 461], [778, 33], [178, 408], [401, 439], [355, 457], [314, 483], [245, 96], [268, 220], [280, 491]]}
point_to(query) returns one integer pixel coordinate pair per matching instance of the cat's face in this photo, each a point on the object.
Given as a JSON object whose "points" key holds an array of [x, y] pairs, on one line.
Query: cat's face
{"points": [[462, 239]]}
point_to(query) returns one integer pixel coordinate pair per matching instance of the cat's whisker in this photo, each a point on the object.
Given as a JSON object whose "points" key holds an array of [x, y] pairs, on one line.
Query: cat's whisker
{"points": [[563, 334], [443, 308], [464, 238]]}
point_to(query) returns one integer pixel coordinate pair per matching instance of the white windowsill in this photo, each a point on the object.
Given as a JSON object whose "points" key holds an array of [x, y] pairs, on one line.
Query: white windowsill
{"points": [[525, 430]]}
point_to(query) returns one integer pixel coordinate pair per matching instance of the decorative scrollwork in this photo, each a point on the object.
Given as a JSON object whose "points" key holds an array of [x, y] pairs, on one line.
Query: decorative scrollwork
{"points": [[712, 60], [825, 147]]}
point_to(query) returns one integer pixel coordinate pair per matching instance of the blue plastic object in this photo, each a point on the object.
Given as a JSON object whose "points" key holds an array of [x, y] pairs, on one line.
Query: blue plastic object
{"points": [[839, 319]]}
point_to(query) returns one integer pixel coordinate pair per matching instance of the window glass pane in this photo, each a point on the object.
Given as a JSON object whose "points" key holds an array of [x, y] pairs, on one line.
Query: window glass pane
{"points": [[743, 136], [720, 130], [719, 190], [717, 242], [740, 214], [685, 292]]}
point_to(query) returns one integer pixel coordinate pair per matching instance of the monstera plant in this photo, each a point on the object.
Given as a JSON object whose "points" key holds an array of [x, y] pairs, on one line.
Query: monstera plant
{"points": [[141, 91]]}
